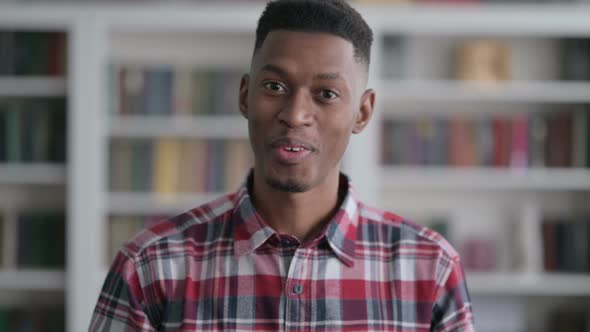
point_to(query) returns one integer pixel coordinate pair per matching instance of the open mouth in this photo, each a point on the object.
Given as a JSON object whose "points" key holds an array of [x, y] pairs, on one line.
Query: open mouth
{"points": [[291, 151]]}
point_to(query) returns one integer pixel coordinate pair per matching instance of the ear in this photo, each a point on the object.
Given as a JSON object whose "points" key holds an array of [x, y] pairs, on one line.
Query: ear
{"points": [[243, 99], [365, 112]]}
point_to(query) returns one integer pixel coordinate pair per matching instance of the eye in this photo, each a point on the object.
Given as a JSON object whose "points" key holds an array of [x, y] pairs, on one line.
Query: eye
{"points": [[274, 86], [328, 94]]}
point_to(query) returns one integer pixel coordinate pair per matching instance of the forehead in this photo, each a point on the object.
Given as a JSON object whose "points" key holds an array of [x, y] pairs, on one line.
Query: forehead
{"points": [[309, 50]]}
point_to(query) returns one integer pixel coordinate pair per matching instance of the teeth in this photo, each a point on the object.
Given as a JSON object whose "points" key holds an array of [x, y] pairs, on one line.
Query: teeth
{"points": [[293, 149]]}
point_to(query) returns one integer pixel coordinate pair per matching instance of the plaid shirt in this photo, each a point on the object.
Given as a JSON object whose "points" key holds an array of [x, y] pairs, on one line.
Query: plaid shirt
{"points": [[220, 267]]}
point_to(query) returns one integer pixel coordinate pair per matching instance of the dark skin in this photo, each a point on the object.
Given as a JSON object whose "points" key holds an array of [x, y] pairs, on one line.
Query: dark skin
{"points": [[304, 97]]}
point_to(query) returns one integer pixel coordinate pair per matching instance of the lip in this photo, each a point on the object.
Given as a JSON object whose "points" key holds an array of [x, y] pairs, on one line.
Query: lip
{"points": [[282, 150]]}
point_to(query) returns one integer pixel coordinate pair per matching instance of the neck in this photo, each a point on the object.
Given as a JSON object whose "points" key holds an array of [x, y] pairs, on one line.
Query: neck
{"points": [[302, 215]]}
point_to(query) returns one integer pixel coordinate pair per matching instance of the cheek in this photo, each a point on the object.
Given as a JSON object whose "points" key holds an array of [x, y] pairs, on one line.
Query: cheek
{"points": [[337, 136]]}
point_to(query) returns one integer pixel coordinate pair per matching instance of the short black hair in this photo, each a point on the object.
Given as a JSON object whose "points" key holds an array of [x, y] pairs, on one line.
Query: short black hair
{"points": [[335, 17]]}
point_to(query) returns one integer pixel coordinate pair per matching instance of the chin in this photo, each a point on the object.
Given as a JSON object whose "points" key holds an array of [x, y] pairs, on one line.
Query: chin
{"points": [[288, 185]]}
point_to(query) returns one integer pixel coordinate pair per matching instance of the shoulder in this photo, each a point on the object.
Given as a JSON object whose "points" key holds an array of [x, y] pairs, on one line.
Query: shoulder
{"points": [[377, 225], [202, 224]]}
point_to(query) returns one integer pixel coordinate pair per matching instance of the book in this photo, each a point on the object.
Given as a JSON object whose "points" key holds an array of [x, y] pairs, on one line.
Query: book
{"points": [[462, 143], [483, 60], [538, 140], [550, 246], [59, 136], [166, 162], [559, 140], [141, 165], [502, 141], [192, 169], [4, 318], [479, 254], [575, 59], [7, 48], [26, 113], [158, 94], [581, 136], [580, 245], [57, 54], [121, 165], [120, 229], [1, 241], [485, 141], [519, 154], [3, 131], [133, 86], [13, 132], [183, 91], [40, 131]]}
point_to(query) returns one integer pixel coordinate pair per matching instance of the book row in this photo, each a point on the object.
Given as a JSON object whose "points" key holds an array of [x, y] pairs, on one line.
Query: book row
{"points": [[492, 60], [178, 166], [33, 130], [559, 139], [477, 253], [40, 240], [569, 320], [178, 91], [32, 320], [566, 245], [32, 53]]}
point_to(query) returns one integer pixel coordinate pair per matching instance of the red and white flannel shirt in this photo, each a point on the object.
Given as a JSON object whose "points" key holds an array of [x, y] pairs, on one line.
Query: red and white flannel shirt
{"points": [[220, 267]]}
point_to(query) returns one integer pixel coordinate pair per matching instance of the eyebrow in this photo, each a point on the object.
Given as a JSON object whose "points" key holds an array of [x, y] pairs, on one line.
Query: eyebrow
{"points": [[321, 76]]}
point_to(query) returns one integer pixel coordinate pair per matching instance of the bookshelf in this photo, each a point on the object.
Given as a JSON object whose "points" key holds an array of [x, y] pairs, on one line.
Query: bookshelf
{"points": [[33, 173], [489, 179], [453, 91], [32, 87], [502, 204], [219, 126]]}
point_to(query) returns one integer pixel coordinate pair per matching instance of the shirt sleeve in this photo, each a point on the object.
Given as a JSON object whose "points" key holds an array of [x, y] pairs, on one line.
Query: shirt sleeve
{"points": [[121, 306], [452, 311]]}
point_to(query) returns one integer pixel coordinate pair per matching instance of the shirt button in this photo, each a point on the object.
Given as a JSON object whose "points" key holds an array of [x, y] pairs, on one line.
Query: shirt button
{"points": [[298, 289]]}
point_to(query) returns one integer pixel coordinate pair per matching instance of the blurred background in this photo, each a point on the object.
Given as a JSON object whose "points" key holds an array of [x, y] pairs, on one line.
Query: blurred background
{"points": [[114, 115]]}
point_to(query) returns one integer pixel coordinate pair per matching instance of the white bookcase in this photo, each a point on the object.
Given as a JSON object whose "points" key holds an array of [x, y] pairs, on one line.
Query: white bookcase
{"points": [[508, 204], [30, 186]]}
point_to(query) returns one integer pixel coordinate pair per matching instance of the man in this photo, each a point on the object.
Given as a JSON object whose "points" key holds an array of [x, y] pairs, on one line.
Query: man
{"points": [[293, 249]]}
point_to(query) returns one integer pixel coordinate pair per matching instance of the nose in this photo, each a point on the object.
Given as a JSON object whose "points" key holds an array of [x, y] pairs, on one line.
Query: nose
{"points": [[297, 111]]}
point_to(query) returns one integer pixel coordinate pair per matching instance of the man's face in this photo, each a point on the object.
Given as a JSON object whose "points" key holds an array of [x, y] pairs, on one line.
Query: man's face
{"points": [[303, 99]]}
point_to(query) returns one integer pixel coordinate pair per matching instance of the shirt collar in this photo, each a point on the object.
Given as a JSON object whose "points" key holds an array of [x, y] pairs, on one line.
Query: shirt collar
{"points": [[251, 231]]}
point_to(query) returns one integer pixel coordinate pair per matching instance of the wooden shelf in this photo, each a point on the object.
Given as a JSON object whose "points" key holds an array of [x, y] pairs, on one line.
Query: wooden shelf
{"points": [[515, 19], [205, 127], [504, 19], [32, 174], [558, 284], [32, 87], [458, 91], [393, 178], [150, 203], [46, 280]]}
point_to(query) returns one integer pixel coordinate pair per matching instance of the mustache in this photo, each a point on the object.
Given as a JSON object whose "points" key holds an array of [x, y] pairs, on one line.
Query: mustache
{"points": [[279, 141]]}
